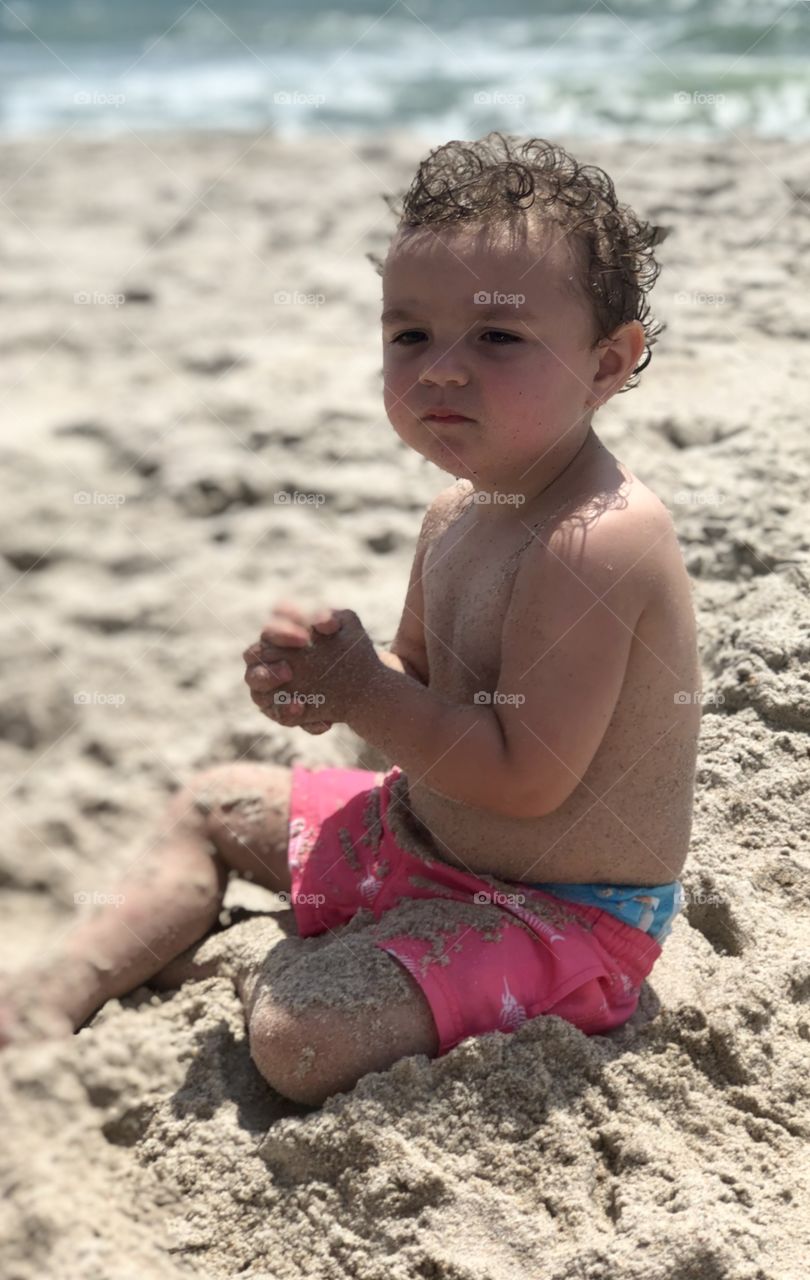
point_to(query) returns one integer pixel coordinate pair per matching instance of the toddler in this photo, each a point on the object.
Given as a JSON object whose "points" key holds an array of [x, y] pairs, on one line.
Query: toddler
{"points": [[538, 707]]}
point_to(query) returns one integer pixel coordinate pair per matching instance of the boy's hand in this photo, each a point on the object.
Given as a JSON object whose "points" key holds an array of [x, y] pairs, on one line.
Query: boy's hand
{"points": [[324, 662], [267, 669]]}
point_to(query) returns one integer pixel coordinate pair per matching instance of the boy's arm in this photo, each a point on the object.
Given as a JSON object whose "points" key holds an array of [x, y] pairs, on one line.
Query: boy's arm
{"points": [[565, 644], [408, 651], [456, 750], [395, 663]]}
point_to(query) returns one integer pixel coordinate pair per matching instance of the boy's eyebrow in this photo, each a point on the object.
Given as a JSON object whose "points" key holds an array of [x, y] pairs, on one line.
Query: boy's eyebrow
{"points": [[489, 313]]}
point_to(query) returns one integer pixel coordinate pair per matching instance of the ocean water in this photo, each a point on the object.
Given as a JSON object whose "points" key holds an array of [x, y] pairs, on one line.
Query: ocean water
{"points": [[441, 68]]}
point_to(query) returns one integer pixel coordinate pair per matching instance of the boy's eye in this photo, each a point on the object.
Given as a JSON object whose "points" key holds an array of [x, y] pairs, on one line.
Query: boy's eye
{"points": [[489, 333], [498, 333]]}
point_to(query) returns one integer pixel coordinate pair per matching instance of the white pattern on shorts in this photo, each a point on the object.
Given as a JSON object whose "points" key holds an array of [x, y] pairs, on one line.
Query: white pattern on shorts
{"points": [[513, 1014]]}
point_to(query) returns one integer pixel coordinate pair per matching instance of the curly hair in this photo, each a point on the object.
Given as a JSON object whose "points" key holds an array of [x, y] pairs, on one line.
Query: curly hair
{"points": [[497, 178]]}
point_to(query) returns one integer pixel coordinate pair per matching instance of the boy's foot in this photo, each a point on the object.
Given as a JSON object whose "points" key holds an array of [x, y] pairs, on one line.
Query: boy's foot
{"points": [[44, 1004], [228, 953], [49, 1001], [26, 1018]]}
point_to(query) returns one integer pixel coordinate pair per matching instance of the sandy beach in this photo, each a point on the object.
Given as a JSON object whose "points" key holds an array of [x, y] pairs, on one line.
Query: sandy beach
{"points": [[192, 427]]}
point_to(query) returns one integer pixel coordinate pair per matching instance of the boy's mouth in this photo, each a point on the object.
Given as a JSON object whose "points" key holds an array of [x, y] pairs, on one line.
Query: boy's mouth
{"points": [[445, 415]]}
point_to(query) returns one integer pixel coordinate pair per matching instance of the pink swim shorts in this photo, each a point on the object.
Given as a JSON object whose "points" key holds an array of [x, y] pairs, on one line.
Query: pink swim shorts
{"points": [[540, 956]]}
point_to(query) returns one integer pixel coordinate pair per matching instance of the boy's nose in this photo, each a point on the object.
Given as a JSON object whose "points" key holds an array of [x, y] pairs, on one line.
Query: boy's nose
{"points": [[445, 369], [443, 373]]}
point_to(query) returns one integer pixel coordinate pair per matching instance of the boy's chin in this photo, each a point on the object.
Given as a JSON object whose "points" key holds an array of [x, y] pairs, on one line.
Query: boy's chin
{"points": [[453, 467], [449, 458]]}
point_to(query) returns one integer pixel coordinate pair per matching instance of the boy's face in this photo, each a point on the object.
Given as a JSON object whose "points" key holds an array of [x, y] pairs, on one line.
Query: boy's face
{"points": [[523, 377]]}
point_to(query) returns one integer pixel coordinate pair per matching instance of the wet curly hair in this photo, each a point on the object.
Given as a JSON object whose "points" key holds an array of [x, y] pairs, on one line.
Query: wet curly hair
{"points": [[497, 178]]}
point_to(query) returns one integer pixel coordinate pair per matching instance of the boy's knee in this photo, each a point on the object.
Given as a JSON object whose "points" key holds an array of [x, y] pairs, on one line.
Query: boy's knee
{"points": [[242, 791], [299, 1054], [192, 802], [199, 802], [206, 789]]}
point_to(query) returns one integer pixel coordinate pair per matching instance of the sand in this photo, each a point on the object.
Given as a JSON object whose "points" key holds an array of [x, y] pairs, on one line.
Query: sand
{"points": [[147, 1147]]}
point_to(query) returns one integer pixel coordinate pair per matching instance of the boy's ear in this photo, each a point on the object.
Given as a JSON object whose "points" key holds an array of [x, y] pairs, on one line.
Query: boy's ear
{"points": [[619, 355]]}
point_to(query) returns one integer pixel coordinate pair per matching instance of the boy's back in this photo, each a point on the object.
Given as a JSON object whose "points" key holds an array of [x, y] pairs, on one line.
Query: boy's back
{"points": [[628, 819]]}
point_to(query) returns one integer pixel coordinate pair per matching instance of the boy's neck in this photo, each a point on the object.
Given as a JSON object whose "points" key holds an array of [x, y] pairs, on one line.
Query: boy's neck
{"points": [[563, 464]]}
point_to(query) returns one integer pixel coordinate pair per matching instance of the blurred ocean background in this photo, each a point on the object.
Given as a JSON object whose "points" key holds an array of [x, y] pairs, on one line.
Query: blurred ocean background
{"points": [[449, 68]]}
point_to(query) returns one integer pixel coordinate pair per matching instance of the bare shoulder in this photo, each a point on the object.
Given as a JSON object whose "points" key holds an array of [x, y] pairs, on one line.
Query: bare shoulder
{"points": [[442, 511], [446, 507], [642, 531], [641, 498], [622, 541], [638, 520]]}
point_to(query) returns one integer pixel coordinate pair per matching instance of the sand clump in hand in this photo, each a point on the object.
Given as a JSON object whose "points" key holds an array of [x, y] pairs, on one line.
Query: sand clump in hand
{"points": [[148, 1147]]}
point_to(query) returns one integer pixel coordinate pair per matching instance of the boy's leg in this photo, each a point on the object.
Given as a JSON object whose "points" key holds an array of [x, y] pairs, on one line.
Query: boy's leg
{"points": [[231, 817], [323, 1012]]}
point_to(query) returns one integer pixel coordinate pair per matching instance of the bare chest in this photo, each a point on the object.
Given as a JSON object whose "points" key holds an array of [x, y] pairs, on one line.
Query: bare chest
{"points": [[467, 585]]}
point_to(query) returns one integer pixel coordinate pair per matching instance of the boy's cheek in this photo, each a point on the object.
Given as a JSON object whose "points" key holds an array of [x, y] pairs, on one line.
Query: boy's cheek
{"points": [[394, 394], [413, 434], [402, 419]]}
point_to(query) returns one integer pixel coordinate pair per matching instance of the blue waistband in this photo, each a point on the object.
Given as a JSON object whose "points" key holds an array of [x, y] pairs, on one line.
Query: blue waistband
{"points": [[650, 909]]}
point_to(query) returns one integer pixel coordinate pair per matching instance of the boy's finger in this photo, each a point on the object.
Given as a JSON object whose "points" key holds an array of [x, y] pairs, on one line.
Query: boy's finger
{"points": [[289, 609], [285, 633], [273, 653], [288, 714], [263, 676], [289, 617], [325, 622]]}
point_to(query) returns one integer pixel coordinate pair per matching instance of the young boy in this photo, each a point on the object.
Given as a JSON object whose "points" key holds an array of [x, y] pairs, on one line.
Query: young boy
{"points": [[540, 698]]}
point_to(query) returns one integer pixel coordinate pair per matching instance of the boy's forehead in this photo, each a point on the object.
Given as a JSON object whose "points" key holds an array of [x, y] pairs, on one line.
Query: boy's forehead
{"points": [[453, 261]]}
